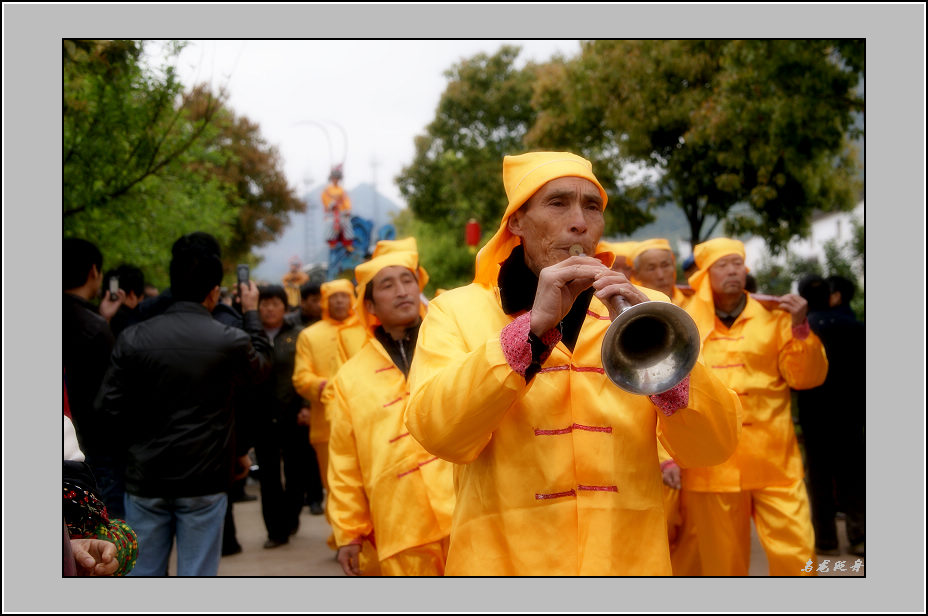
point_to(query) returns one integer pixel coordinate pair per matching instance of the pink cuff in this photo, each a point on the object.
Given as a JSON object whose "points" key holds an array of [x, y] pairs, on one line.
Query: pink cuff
{"points": [[801, 331], [673, 399], [666, 464], [516, 348], [360, 540]]}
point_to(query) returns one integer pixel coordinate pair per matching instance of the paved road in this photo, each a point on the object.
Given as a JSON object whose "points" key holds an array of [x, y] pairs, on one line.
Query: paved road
{"points": [[308, 555]]}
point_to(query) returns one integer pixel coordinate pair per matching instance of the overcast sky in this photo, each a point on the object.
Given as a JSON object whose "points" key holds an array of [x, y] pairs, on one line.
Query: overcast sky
{"points": [[361, 101]]}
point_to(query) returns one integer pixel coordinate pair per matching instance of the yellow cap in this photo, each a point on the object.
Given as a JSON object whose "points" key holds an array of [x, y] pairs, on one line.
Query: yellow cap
{"points": [[619, 249], [646, 245], [523, 175], [406, 244]]}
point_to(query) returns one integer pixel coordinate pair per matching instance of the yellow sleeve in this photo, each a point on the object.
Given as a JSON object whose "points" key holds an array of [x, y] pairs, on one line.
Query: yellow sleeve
{"points": [[328, 400], [305, 380], [347, 504], [706, 432], [662, 455], [802, 363], [458, 396]]}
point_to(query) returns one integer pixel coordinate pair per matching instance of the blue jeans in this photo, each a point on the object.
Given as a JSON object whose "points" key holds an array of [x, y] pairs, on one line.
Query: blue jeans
{"points": [[195, 520], [108, 471]]}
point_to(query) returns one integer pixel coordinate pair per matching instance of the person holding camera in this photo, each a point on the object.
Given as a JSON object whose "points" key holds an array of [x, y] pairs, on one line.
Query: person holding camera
{"points": [[169, 394]]}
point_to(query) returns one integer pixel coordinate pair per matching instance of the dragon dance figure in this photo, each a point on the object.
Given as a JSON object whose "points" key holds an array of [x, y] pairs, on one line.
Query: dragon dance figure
{"points": [[337, 212]]}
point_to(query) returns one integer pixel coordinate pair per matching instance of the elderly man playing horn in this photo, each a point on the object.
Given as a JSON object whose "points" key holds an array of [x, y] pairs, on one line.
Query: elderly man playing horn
{"points": [[556, 468], [761, 354]]}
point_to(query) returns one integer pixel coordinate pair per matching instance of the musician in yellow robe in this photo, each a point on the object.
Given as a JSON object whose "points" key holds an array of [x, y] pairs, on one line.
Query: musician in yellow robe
{"points": [[384, 486], [760, 354], [319, 355], [655, 267], [556, 468]]}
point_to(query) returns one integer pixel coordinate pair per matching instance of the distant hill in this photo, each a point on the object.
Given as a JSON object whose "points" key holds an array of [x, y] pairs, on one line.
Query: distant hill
{"points": [[303, 237]]}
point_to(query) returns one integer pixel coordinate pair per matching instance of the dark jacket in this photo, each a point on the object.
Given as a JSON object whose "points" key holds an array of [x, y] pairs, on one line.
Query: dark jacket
{"points": [[298, 319], [278, 400], [86, 345], [169, 395]]}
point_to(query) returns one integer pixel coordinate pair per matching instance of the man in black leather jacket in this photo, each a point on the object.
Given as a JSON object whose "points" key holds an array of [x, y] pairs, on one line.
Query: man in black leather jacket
{"points": [[168, 395]]}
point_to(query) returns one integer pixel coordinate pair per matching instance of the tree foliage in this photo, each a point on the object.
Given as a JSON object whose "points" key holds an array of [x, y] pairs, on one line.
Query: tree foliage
{"points": [[762, 124], [145, 162], [841, 259], [483, 115], [251, 171], [442, 251]]}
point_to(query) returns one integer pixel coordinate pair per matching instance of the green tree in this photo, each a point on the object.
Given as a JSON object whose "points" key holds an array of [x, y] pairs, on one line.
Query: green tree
{"points": [[442, 252], [711, 125], [841, 259], [128, 178], [145, 162], [483, 115]]}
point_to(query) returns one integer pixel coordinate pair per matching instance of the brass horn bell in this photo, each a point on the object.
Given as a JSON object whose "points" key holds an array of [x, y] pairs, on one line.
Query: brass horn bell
{"points": [[650, 347]]}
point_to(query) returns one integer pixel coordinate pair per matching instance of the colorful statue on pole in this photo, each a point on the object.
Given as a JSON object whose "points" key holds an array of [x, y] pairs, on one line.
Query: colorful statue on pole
{"points": [[337, 213]]}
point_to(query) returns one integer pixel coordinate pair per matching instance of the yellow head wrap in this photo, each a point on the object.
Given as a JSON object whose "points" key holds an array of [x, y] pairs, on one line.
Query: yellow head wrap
{"points": [[384, 246], [644, 246], [388, 255], [523, 175], [619, 249], [328, 289], [702, 306], [658, 243]]}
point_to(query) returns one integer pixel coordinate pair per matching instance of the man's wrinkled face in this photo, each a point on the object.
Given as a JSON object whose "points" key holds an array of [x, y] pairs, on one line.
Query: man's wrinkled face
{"points": [[339, 305], [563, 212], [727, 276], [395, 293], [271, 310], [656, 270]]}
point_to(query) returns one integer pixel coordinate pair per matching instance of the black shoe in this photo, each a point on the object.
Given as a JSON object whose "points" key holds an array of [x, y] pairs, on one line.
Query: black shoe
{"points": [[273, 543], [295, 529], [316, 508], [229, 550]]}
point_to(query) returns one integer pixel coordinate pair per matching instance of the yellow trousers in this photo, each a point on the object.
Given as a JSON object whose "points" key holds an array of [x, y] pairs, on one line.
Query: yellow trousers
{"points": [[716, 534], [367, 560], [322, 457], [422, 560], [673, 514]]}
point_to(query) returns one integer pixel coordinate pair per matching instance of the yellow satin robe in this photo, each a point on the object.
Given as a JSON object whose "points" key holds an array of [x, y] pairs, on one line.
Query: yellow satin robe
{"points": [[559, 476], [760, 360], [321, 349], [381, 480]]}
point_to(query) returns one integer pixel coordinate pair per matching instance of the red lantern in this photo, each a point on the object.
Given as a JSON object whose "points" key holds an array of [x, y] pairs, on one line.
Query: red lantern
{"points": [[472, 232]]}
